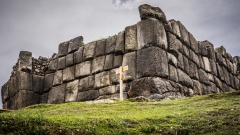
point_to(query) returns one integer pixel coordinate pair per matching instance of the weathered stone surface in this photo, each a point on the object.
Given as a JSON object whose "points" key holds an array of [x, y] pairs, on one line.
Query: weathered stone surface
{"points": [[185, 51], [218, 83], [44, 98], [23, 80], [4, 93], [37, 84], [231, 80], [131, 38], [120, 43], [193, 70], [197, 87], [219, 58], [172, 60], [226, 76], [203, 48], [206, 89], [175, 45], [225, 87], [168, 27], [186, 65], [151, 32], [83, 69], [25, 98], [13, 87], [184, 79], [152, 61], [207, 49], [89, 51], [48, 81], [78, 55], [203, 77], [108, 90], [57, 94], [86, 83], [194, 43], [53, 65], [108, 62], [98, 64], [117, 61], [229, 57], [213, 88], [74, 44], [175, 27], [63, 49], [25, 61], [58, 78], [71, 91], [114, 78], [125, 87], [234, 68], [184, 34], [213, 67], [180, 61], [129, 59], [88, 95], [229, 66], [236, 59], [201, 63], [102, 79], [173, 73], [220, 72], [195, 58], [68, 74], [5, 105], [146, 11], [111, 44], [236, 82], [61, 63], [221, 50], [69, 60], [156, 97], [207, 64], [100, 47]]}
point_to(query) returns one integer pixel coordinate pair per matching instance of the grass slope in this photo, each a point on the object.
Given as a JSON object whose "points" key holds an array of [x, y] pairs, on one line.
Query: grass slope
{"points": [[210, 114]]}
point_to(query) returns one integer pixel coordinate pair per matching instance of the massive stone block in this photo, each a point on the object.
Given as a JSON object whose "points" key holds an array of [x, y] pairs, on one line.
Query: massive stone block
{"points": [[74, 44], [53, 65], [98, 64], [108, 90], [194, 43], [213, 67], [71, 91], [175, 27], [37, 84], [83, 69], [114, 78], [220, 72], [151, 32], [58, 78], [48, 81], [69, 60], [174, 45], [197, 87], [24, 80], [129, 59], [152, 62], [86, 83], [231, 77], [100, 47], [236, 82], [63, 49], [4, 93], [207, 64], [172, 60], [226, 76], [173, 73], [88, 95], [108, 62], [180, 61], [102, 79], [146, 11], [89, 51], [25, 61], [44, 98], [111, 44], [184, 79], [68, 74], [13, 86], [193, 70], [120, 44], [221, 50], [184, 34], [131, 38], [194, 58], [57, 94], [61, 63], [78, 55], [117, 61], [201, 63], [25, 98], [186, 65], [203, 77], [218, 83], [185, 51], [207, 49], [219, 58]]}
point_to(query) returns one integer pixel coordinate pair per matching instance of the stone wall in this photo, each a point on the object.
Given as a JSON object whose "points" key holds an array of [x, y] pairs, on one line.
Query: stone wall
{"points": [[163, 57]]}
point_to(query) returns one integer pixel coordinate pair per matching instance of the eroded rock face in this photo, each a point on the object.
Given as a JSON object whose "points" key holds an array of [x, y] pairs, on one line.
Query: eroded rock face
{"points": [[56, 94], [25, 61], [71, 91], [146, 11]]}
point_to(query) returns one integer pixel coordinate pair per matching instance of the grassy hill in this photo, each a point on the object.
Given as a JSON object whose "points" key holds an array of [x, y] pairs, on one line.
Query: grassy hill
{"points": [[210, 114]]}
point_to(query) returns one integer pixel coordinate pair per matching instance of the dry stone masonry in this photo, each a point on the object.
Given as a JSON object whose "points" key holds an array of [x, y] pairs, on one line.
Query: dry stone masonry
{"points": [[163, 57]]}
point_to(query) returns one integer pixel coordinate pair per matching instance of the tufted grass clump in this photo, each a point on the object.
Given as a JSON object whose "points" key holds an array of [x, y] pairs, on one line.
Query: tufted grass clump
{"points": [[208, 114]]}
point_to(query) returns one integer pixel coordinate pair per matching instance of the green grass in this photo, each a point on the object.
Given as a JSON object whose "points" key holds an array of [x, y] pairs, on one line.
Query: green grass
{"points": [[209, 115]]}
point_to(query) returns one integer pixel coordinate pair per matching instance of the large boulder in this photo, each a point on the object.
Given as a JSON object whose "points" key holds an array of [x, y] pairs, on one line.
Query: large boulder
{"points": [[48, 81], [129, 59], [100, 47], [88, 95], [13, 86], [25, 98], [78, 55], [193, 70], [63, 49], [108, 62], [119, 49], [221, 50], [207, 65], [197, 87], [180, 61], [108, 90], [4, 92], [37, 84], [184, 34], [173, 76], [174, 45], [61, 63], [56, 94], [58, 78], [172, 60], [24, 80], [71, 91], [53, 65], [89, 51], [203, 77], [98, 64], [220, 72], [151, 32], [86, 83], [74, 44], [69, 60], [175, 28], [83, 69], [111, 44], [152, 61], [25, 61], [102, 79], [194, 43], [146, 11], [131, 38], [184, 79], [68, 74]]}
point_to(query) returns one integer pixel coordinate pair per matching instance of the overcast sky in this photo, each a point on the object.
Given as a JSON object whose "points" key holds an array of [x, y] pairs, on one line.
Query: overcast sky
{"points": [[39, 26]]}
